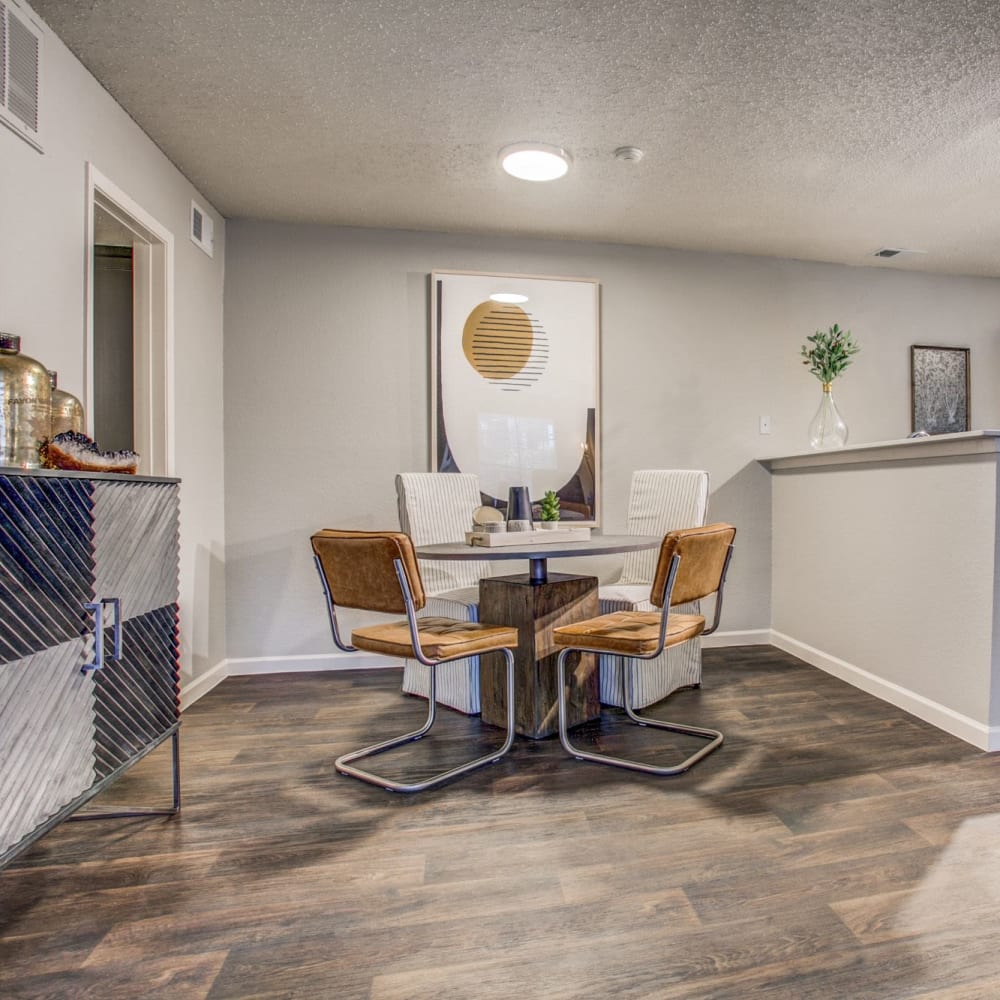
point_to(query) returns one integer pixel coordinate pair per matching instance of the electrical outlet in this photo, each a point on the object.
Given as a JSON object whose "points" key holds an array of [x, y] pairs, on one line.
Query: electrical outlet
{"points": [[765, 425]]}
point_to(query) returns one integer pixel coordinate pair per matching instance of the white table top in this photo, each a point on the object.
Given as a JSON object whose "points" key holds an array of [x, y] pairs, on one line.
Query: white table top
{"points": [[538, 553], [596, 545]]}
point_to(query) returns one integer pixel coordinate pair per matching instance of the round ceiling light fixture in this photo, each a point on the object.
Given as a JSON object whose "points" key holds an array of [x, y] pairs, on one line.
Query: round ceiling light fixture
{"points": [[535, 161], [510, 298]]}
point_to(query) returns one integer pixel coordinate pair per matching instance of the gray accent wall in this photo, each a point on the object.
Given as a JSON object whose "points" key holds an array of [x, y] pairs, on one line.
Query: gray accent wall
{"points": [[327, 387]]}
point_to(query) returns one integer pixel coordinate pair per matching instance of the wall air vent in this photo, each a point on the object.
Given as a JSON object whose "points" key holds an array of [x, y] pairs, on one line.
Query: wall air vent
{"points": [[20, 70], [886, 252], [202, 229]]}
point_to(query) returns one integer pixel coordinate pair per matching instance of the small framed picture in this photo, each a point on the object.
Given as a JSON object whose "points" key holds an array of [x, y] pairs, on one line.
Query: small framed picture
{"points": [[939, 389]]}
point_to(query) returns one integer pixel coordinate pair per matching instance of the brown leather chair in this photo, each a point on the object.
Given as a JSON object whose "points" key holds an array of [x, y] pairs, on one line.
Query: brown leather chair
{"points": [[378, 571], [692, 565]]}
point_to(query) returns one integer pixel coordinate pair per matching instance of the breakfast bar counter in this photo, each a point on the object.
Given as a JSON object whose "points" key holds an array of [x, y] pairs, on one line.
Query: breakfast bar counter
{"points": [[885, 572]]}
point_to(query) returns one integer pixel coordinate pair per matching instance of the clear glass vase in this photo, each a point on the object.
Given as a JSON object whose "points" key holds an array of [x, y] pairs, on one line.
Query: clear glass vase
{"points": [[827, 429]]}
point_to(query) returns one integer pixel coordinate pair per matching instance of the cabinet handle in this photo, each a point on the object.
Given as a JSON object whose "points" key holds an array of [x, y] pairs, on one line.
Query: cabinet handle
{"points": [[116, 603], [97, 608]]}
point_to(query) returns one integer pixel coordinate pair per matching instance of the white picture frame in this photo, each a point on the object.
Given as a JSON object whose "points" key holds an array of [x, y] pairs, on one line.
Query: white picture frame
{"points": [[515, 386]]}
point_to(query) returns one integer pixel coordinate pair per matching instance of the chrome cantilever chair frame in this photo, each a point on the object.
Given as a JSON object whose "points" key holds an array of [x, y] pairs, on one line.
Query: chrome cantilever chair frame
{"points": [[714, 737], [344, 763]]}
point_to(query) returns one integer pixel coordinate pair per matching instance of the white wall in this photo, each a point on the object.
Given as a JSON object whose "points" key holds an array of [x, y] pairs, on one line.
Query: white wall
{"points": [[327, 387], [884, 572], [43, 256]]}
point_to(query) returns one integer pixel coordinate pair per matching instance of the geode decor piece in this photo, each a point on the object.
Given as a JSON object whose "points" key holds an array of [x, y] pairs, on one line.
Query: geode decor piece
{"points": [[75, 452]]}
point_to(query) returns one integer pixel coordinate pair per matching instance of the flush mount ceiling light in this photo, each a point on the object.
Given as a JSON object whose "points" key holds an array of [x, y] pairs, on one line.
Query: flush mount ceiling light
{"points": [[534, 161], [512, 298]]}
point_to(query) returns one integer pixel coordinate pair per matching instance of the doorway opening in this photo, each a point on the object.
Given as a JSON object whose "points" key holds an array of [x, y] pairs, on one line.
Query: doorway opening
{"points": [[114, 322], [129, 397]]}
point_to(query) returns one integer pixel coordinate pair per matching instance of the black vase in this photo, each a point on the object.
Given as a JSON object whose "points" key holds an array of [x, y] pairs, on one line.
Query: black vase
{"points": [[518, 509]]}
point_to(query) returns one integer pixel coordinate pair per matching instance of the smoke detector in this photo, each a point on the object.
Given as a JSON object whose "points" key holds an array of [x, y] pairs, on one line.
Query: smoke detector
{"points": [[629, 154]]}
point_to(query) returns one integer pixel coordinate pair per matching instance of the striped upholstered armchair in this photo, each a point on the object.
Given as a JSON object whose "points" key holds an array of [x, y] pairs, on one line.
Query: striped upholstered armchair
{"points": [[660, 500], [437, 507]]}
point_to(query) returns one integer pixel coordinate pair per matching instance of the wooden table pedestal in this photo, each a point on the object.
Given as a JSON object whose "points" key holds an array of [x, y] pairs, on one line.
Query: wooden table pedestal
{"points": [[536, 609]]}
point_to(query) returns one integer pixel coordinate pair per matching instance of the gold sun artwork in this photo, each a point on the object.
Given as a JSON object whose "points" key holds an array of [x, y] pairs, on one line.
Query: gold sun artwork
{"points": [[505, 345]]}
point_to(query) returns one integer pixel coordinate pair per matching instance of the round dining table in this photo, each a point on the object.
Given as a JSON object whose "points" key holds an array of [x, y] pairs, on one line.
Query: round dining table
{"points": [[536, 603], [539, 552]]}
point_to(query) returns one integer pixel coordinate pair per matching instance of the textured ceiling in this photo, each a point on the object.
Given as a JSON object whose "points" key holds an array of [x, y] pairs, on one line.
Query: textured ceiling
{"points": [[815, 129]]}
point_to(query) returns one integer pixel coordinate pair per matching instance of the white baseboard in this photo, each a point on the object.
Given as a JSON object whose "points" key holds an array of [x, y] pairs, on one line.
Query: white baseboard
{"points": [[747, 637], [201, 685], [977, 733], [243, 666], [246, 665]]}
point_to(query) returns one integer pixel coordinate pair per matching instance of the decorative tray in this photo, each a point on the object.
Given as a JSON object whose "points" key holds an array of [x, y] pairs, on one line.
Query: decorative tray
{"points": [[495, 539]]}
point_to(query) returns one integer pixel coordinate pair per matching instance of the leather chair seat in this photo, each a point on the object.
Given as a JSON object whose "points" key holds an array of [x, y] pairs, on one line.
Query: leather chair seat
{"points": [[440, 638], [629, 633]]}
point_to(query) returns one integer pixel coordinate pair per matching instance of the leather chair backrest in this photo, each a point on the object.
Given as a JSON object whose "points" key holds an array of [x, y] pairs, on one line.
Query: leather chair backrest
{"points": [[360, 571], [702, 554]]}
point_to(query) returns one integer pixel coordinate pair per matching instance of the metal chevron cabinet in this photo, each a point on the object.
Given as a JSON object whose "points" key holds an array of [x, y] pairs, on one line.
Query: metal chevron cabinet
{"points": [[88, 640]]}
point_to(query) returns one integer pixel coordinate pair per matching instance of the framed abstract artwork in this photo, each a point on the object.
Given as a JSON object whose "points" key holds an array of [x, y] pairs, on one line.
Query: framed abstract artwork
{"points": [[515, 384], [939, 389]]}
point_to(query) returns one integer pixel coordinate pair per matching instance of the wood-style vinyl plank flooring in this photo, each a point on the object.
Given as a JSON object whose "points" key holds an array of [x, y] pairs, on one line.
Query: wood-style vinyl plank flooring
{"points": [[834, 847]]}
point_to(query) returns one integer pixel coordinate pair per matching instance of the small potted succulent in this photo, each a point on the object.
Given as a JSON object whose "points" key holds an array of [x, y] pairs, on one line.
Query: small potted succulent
{"points": [[550, 510]]}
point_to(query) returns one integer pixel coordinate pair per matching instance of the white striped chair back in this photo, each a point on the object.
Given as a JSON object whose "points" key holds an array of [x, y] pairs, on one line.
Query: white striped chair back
{"points": [[437, 507], [662, 500]]}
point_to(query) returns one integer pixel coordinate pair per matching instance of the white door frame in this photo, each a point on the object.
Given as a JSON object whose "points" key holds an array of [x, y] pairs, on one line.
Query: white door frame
{"points": [[153, 323]]}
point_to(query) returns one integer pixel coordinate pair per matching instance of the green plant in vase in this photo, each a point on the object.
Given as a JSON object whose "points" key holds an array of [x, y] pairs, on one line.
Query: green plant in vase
{"points": [[550, 509], [828, 353]]}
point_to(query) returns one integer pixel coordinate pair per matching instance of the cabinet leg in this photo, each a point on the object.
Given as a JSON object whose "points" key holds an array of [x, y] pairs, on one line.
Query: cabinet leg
{"points": [[126, 811]]}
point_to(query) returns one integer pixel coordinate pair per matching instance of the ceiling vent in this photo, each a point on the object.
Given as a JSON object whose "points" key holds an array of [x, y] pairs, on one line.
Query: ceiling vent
{"points": [[20, 71], [887, 252], [202, 229]]}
